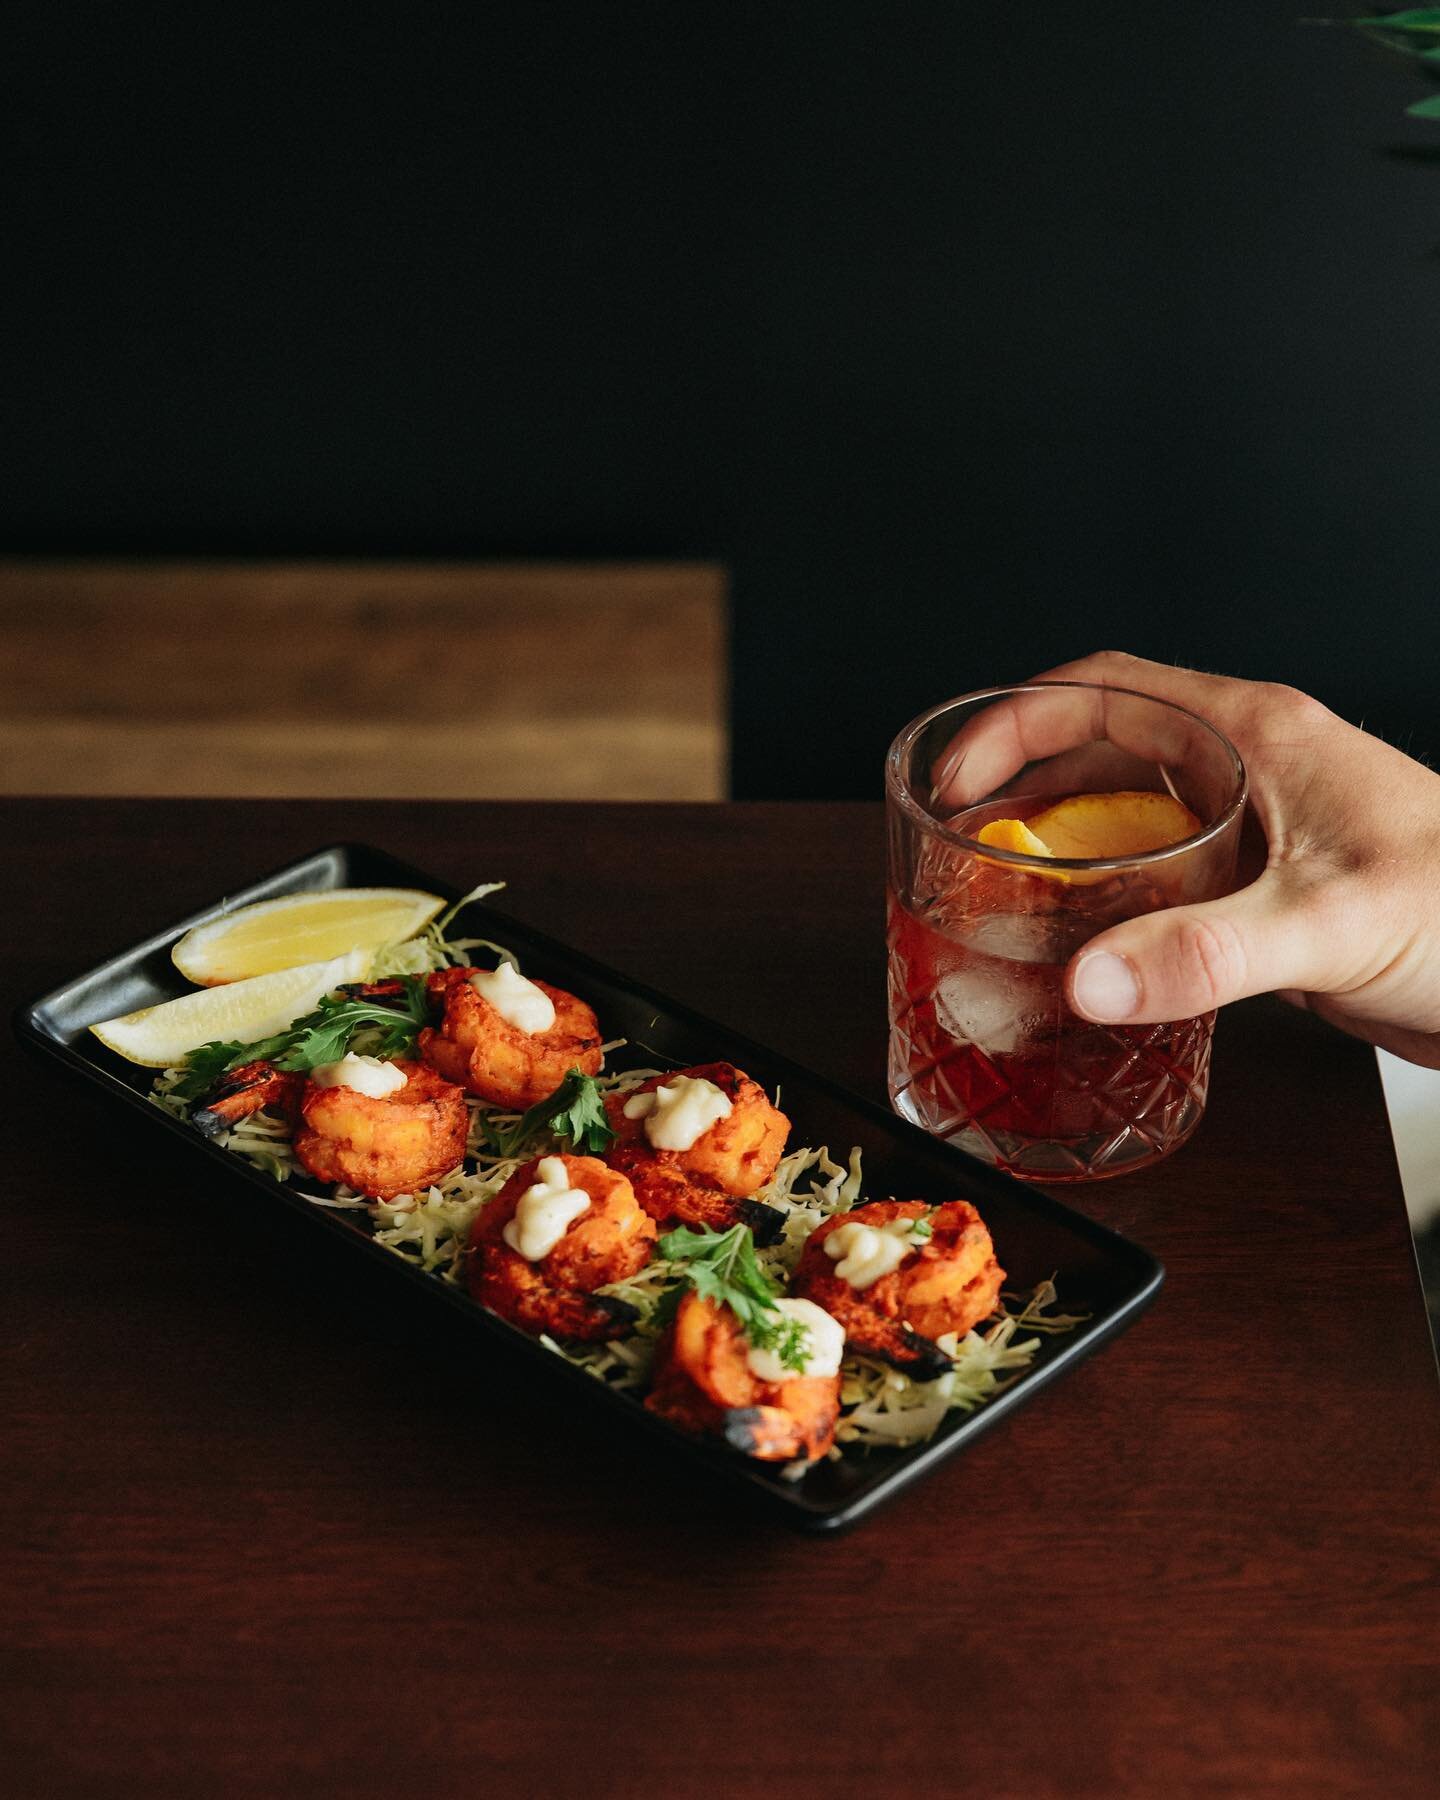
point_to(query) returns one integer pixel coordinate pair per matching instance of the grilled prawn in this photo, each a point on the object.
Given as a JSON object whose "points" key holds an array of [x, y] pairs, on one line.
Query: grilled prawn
{"points": [[561, 1227], [382, 1145], [388, 1145], [705, 1380], [710, 1181], [895, 1298], [485, 1051]]}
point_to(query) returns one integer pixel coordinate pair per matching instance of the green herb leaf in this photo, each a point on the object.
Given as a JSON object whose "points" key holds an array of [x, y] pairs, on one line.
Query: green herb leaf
{"points": [[205, 1066], [721, 1266], [788, 1338], [322, 1036], [1425, 109], [575, 1111]]}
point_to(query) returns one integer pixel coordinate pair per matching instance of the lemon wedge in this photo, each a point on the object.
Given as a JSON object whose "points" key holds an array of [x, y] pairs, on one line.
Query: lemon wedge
{"points": [[301, 928], [161, 1037]]}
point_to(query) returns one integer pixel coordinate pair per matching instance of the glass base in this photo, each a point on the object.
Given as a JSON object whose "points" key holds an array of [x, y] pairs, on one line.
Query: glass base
{"points": [[1096, 1158]]}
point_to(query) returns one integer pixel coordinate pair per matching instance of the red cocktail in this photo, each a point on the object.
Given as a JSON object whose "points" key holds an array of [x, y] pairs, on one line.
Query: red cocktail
{"points": [[984, 1049]]}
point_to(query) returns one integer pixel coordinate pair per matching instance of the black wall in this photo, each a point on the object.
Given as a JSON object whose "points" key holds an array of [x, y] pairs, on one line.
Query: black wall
{"points": [[971, 337]]}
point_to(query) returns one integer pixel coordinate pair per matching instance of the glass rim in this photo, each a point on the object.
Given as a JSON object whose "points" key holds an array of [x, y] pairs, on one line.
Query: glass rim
{"points": [[897, 792]]}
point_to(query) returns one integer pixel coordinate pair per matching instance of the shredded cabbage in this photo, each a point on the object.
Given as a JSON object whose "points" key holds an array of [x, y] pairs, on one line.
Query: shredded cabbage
{"points": [[832, 1188], [432, 950], [887, 1407]]}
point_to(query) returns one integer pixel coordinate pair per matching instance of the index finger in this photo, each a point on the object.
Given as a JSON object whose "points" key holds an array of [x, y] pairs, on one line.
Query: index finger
{"points": [[1104, 726], [1216, 697]]}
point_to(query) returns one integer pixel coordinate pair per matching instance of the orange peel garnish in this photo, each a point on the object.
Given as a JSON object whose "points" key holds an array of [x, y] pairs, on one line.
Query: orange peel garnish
{"points": [[1095, 827], [1101, 826], [1012, 834]]}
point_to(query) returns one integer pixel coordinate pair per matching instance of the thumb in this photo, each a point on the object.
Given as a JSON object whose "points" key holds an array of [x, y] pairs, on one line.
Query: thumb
{"points": [[1191, 959]]}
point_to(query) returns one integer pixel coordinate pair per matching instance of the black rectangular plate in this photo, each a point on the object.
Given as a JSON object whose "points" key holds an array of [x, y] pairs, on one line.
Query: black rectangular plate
{"points": [[1096, 1271]]}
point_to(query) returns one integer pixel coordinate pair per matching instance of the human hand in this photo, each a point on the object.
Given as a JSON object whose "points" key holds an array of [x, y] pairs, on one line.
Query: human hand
{"points": [[1344, 918]]}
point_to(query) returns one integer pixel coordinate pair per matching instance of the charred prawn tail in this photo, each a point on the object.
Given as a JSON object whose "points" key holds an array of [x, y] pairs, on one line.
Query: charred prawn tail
{"points": [[921, 1358], [767, 1433], [394, 989], [767, 1223], [621, 1312], [771, 1433], [899, 1345], [590, 1318], [243, 1091]]}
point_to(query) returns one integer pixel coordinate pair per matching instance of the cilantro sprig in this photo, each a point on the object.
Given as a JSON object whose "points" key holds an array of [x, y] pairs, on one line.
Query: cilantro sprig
{"points": [[322, 1036], [574, 1111], [722, 1266]]}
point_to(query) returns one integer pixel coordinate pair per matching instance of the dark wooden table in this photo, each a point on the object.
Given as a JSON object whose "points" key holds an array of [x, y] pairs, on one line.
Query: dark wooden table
{"points": [[272, 1529]]}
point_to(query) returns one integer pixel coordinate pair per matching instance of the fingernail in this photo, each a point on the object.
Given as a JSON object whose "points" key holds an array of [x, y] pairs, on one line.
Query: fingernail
{"points": [[1105, 986]]}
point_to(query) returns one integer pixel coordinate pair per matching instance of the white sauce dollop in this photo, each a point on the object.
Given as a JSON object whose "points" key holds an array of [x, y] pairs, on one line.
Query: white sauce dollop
{"points": [[824, 1344], [870, 1251], [366, 1074], [518, 1001], [547, 1210], [680, 1111]]}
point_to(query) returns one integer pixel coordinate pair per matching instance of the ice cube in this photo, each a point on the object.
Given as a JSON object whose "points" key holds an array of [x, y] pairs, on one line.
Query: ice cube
{"points": [[1021, 937], [986, 1010]]}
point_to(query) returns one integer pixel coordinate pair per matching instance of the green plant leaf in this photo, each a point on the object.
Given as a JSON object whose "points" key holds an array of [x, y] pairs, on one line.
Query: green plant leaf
{"points": [[1413, 18], [1425, 109]]}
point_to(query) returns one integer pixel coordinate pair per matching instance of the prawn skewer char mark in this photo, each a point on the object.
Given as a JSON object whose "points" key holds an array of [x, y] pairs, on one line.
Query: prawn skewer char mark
{"points": [[948, 1282], [703, 1382], [610, 1241], [477, 1047], [388, 1146], [711, 1183], [669, 1195], [393, 989], [246, 1090]]}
